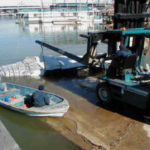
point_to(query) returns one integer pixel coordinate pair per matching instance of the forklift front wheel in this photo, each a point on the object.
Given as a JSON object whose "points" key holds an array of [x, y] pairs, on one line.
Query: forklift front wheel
{"points": [[103, 93]]}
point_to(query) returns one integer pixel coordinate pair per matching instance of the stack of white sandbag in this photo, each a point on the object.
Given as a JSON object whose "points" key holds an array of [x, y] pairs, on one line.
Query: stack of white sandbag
{"points": [[36, 66], [28, 67]]}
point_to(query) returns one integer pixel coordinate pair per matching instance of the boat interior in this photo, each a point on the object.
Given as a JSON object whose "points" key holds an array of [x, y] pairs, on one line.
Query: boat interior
{"points": [[15, 95]]}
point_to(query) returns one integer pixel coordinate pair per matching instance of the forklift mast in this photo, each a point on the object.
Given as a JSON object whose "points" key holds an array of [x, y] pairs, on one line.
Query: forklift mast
{"points": [[127, 14], [130, 13]]}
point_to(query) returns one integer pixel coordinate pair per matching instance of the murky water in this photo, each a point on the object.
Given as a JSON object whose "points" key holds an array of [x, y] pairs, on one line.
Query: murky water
{"points": [[18, 42], [36, 131], [31, 133]]}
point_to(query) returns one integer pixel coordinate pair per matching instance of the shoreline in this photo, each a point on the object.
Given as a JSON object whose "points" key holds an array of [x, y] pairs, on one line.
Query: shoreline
{"points": [[90, 126]]}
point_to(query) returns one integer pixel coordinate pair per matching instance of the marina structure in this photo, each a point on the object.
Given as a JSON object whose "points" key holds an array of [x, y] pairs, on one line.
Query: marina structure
{"points": [[61, 16], [63, 13], [57, 11]]}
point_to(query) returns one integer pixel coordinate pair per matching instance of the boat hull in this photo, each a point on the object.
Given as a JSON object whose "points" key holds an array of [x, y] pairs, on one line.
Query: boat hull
{"points": [[57, 108]]}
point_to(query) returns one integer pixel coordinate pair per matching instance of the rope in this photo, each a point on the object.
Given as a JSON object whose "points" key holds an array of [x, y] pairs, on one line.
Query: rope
{"points": [[43, 58]]}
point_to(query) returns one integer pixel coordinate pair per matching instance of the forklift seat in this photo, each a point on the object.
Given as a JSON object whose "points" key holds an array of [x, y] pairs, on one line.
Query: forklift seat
{"points": [[119, 64], [127, 66], [128, 62]]}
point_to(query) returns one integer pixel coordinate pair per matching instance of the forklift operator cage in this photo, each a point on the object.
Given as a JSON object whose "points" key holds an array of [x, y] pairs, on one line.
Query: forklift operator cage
{"points": [[133, 89], [134, 39]]}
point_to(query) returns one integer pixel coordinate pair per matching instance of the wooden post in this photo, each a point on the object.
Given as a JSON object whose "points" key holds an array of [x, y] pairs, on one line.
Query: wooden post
{"points": [[91, 51], [127, 8]]}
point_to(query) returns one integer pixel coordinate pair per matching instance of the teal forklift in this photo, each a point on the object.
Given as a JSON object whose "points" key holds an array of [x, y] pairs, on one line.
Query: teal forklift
{"points": [[130, 81]]}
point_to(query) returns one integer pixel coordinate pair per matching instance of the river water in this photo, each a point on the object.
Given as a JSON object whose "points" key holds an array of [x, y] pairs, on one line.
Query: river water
{"points": [[16, 43]]}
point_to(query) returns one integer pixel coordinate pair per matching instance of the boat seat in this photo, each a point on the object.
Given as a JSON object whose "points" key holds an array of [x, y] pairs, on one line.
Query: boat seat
{"points": [[18, 101], [11, 92]]}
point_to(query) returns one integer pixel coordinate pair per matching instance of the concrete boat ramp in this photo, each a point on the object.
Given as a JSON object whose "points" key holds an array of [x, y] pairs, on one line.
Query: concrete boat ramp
{"points": [[93, 127], [89, 125]]}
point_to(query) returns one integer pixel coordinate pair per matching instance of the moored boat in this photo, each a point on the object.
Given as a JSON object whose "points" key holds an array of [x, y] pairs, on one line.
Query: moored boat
{"points": [[15, 95]]}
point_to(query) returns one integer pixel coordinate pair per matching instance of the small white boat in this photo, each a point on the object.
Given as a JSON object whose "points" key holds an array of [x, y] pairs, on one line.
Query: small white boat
{"points": [[15, 95]]}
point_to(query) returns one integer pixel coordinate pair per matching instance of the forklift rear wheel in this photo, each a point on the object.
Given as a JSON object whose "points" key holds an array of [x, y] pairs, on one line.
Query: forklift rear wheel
{"points": [[103, 93]]}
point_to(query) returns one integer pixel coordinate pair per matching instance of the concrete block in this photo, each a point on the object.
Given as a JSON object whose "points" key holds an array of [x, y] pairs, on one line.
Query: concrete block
{"points": [[7, 142]]}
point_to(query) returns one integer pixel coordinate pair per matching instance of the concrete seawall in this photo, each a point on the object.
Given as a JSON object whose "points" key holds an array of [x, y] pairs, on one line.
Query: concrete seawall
{"points": [[6, 140]]}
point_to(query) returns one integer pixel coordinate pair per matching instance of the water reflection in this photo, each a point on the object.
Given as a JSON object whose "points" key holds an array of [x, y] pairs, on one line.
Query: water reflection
{"points": [[18, 41], [31, 133], [60, 33], [51, 28], [66, 37]]}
